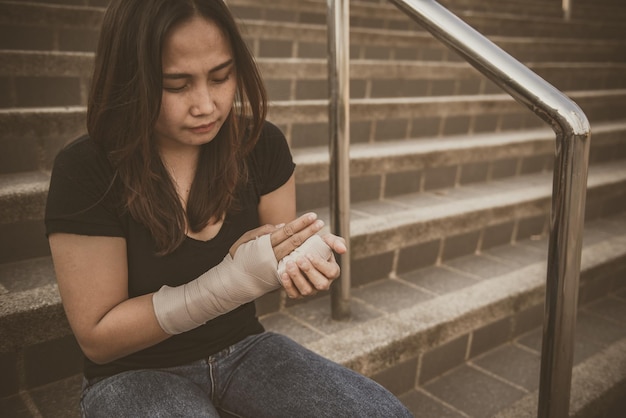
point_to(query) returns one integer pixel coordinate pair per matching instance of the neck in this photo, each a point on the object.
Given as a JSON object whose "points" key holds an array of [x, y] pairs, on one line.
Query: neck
{"points": [[181, 166]]}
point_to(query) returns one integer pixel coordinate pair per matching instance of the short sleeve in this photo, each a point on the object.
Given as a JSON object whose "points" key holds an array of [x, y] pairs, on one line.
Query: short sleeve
{"points": [[271, 160], [82, 197]]}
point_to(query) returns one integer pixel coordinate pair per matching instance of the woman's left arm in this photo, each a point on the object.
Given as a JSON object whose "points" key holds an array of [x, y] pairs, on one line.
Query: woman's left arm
{"points": [[308, 274]]}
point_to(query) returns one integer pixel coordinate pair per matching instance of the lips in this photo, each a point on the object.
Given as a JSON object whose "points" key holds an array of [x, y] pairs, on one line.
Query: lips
{"points": [[201, 129]]}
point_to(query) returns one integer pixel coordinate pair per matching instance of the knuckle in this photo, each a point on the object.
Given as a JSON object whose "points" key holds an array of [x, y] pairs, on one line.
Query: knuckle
{"points": [[288, 230], [295, 240], [324, 285]]}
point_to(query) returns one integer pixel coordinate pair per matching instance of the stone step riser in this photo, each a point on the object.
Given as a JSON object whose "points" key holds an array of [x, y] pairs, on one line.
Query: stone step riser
{"points": [[487, 21], [530, 7], [368, 13], [30, 138], [33, 27], [362, 15], [62, 79]]}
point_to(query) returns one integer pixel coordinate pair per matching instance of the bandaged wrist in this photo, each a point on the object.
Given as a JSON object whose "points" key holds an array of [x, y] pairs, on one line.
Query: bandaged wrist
{"points": [[251, 273], [314, 245]]}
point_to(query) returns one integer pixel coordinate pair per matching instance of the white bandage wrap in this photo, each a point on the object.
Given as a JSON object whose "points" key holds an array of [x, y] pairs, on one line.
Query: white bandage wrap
{"points": [[233, 282], [314, 245]]}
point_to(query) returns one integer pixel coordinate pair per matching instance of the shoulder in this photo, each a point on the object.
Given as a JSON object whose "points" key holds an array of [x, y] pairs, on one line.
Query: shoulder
{"points": [[271, 136], [270, 161], [83, 159], [271, 131]]}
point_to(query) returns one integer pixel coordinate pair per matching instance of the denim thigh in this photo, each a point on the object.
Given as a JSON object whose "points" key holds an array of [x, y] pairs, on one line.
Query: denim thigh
{"points": [[264, 375], [173, 392], [272, 376]]}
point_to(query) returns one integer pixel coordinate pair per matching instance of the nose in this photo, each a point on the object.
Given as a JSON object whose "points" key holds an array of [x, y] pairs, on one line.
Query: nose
{"points": [[202, 102]]}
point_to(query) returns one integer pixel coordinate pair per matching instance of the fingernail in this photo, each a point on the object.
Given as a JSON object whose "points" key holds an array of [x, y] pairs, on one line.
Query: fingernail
{"points": [[280, 225], [312, 216], [319, 224]]}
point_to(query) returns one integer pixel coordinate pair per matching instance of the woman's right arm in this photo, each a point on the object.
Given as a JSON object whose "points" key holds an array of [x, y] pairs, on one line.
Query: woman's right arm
{"points": [[92, 276]]}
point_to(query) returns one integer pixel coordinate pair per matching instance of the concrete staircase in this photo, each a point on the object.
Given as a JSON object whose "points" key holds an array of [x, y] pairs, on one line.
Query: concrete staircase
{"points": [[451, 193]]}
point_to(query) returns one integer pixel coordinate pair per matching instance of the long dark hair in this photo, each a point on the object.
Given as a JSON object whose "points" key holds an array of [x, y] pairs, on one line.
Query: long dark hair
{"points": [[124, 104]]}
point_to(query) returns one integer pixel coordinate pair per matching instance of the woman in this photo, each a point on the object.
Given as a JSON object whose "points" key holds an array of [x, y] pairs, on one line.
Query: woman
{"points": [[153, 223]]}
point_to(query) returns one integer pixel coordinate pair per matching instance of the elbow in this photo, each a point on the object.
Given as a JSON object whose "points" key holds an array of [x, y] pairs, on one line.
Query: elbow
{"points": [[96, 351], [96, 355]]}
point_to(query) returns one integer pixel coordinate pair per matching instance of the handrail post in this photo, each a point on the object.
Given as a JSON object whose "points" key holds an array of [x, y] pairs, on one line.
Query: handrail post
{"points": [[573, 134], [567, 9], [564, 252], [339, 129]]}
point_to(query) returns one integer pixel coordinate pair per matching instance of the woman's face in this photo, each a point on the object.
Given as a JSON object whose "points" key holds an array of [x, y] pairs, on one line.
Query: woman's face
{"points": [[199, 84]]}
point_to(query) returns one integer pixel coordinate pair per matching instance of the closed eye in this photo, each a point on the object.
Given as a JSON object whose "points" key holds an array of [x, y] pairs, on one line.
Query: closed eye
{"points": [[175, 89], [225, 78]]}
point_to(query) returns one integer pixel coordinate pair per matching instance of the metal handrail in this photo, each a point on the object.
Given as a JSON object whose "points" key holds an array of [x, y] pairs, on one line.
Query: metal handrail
{"points": [[573, 135], [339, 129], [567, 9]]}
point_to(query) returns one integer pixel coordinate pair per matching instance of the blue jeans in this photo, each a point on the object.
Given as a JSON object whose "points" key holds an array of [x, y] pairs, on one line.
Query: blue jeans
{"points": [[264, 375]]}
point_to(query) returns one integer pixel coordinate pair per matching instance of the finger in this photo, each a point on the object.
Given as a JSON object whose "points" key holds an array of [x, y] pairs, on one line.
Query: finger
{"points": [[316, 276], [294, 241], [337, 244], [293, 228], [250, 235], [290, 288], [299, 281]]}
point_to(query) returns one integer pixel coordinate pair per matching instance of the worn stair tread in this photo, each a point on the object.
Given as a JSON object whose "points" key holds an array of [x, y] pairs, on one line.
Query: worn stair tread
{"points": [[394, 156], [22, 196], [592, 380], [508, 380]]}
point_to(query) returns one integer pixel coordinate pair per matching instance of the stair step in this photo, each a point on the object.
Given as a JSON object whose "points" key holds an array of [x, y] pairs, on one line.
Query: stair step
{"points": [[469, 305], [386, 175], [508, 22], [489, 22], [436, 382], [62, 78], [398, 223], [22, 195], [402, 327], [31, 137], [76, 28], [391, 229]]}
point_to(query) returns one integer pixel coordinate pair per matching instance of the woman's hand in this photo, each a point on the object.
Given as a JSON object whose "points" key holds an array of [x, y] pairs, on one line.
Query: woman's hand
{"points": [[311, 273], [284, 238]]}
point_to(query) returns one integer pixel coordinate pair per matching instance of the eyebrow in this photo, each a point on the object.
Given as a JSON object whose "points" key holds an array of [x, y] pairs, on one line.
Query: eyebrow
{"points": [[176, 76]]}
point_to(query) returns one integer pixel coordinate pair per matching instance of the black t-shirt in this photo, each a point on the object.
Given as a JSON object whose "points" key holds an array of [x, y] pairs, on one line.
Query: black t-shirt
{"points": [[85, 199]]}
